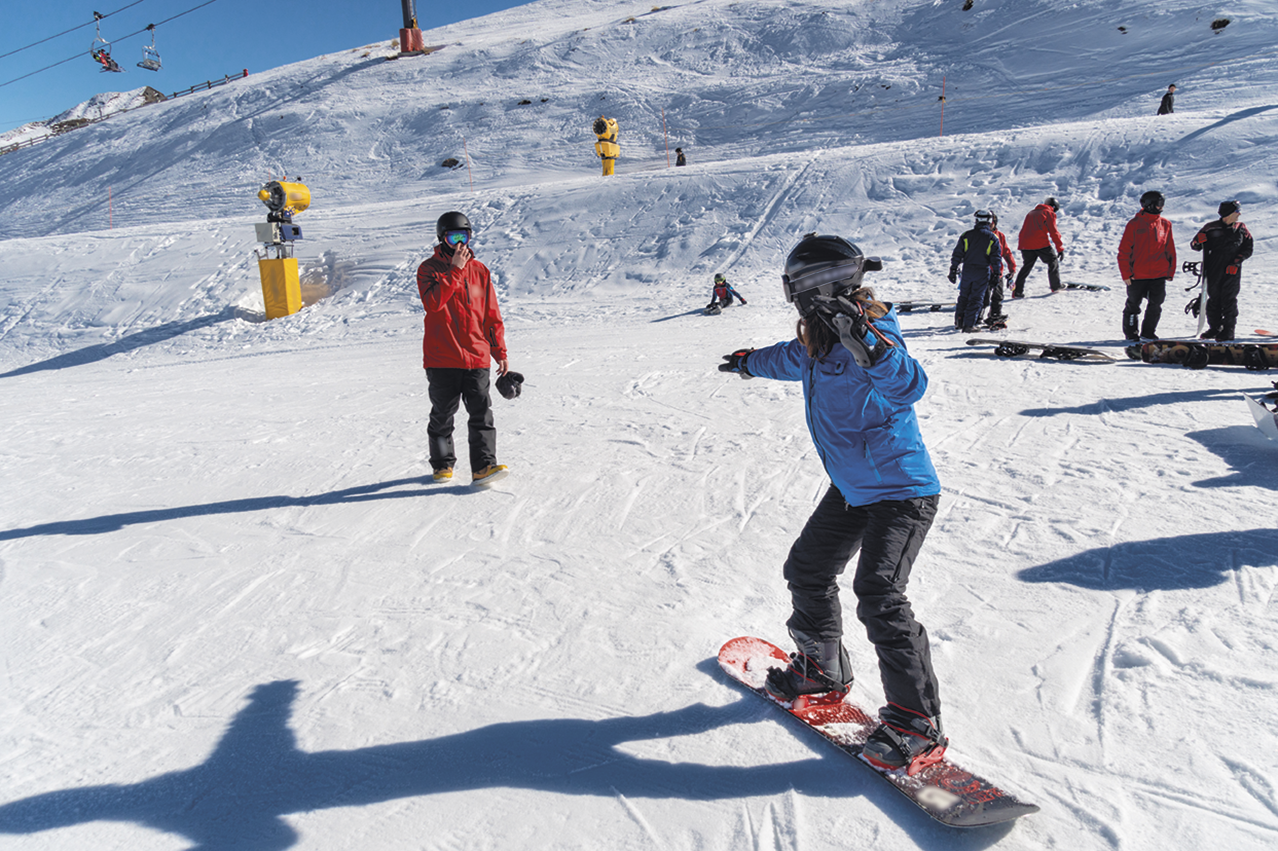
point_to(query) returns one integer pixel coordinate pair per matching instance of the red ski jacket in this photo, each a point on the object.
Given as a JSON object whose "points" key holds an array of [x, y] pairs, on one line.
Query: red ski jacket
{"points": [[1147, 249], [1039, 228], [464, 329], [1009, 263]]}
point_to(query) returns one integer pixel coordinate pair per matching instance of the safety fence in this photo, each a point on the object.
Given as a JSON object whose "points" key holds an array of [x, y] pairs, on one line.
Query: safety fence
{"points": [[75, 123]]}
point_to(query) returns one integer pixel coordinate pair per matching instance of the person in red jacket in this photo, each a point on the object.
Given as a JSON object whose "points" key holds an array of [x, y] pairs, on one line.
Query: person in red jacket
{"points": [[1038, 234], [464, 334], [1147, 261]]}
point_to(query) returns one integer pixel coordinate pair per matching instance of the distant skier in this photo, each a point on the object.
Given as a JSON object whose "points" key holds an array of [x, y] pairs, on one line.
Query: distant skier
{"points": [[979, 253], [680, 159], [1225, 244], [859, 388], [1038, 234], [723, 295], [464, 334], [1168, 103], [1146, 261]]}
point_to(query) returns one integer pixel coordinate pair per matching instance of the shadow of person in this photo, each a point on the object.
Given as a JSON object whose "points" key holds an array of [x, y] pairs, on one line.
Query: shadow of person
{"points": [[1179, 562], [256, 774]]}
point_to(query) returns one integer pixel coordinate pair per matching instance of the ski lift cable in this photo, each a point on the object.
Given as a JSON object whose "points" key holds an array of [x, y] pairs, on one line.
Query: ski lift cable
{"points": [[73, 29], [80, 55]]}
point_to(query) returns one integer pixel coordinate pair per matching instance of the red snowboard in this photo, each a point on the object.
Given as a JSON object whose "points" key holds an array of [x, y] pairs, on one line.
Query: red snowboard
{"points": [[949, 794]]}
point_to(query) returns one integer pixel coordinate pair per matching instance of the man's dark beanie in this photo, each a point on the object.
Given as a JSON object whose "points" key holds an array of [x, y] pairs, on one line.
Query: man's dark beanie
{"points": [[1227, 207]]}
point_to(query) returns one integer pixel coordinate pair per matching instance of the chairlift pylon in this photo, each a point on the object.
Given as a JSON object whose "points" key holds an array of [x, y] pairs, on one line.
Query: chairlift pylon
{"points": [[150, 56], [101, 48]]}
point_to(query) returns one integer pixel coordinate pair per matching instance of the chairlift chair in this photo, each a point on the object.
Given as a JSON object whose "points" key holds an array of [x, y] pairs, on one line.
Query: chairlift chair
{"points": [[150, 56], [101, 48]]}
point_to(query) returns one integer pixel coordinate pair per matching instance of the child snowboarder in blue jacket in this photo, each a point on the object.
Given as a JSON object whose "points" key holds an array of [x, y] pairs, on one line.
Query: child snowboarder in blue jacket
{"points": [[859, 387], [723, 295]]}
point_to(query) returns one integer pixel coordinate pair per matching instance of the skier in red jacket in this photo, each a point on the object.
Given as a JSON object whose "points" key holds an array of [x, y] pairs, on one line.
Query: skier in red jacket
{"points": [[1038, 234], [1147, 261], [464, 334]]}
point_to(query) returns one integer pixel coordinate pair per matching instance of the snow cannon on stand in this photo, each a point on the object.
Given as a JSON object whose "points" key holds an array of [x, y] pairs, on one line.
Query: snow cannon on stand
{"points": [[607, 147], [281, 285]]}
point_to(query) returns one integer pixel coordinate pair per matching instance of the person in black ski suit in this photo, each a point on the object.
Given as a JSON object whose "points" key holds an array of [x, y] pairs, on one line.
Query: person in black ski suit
{"points": [[1168, 104], [1225, 244], [859, 388], [723, 294], [680, 159], [981, 255]]}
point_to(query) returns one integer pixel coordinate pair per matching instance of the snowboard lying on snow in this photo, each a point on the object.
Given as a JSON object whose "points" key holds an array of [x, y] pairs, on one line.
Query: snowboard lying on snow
{"points": [[1016, 348], [1198, 354], [1266, 420], [948, 793]]}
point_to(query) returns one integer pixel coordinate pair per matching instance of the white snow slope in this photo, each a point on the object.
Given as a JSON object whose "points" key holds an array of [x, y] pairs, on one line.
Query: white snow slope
{"points": [[235, 615]]}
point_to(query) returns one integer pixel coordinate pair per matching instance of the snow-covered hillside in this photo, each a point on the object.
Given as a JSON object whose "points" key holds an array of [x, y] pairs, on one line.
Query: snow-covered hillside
{"points": [[234, 614]]}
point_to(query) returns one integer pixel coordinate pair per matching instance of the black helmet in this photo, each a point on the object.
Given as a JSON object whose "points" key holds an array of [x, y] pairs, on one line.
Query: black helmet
{"points": [[984, 217], [823, 265], [1152, 202], [451, 221]]}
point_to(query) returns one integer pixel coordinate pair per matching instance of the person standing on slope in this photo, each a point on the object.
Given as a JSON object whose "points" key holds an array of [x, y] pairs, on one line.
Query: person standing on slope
{"points": [[859, 388], [464, 334], [1038, 234], [979, 253], [1225, 244], [1146, 261], [1168, 104]]}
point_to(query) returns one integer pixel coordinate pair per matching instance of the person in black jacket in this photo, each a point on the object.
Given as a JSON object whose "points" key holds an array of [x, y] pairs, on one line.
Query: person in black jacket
{"points": [[1225, 244], [981, 255], [1167, 106]]}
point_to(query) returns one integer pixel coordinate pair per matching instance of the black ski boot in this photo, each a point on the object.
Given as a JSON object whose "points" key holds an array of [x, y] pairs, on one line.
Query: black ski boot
{"points": [[905, 739], [819, 667]]}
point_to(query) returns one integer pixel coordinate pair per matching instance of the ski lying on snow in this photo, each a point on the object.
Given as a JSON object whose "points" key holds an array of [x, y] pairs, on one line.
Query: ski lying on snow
{"points": [[1074, 285], [946, 792], [1016, 348]]}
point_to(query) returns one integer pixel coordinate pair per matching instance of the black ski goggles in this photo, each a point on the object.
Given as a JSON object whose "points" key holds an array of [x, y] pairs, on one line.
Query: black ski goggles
{"points": [[848, 270]]}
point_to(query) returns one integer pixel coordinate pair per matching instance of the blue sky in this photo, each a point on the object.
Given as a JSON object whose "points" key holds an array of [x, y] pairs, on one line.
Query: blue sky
{"points": [[224, 37]]}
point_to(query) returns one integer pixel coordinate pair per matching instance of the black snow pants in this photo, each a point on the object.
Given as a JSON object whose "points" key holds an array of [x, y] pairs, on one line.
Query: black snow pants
{"points": [[1222, 302], [1028, 258], [1152, 291], [448, 388], [889, 535]]}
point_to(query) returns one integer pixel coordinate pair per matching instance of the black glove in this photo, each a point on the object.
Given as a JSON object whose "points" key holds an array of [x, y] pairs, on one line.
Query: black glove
{"points": [[953, 275], [510, 385], [736, 362], [1060, 255]]}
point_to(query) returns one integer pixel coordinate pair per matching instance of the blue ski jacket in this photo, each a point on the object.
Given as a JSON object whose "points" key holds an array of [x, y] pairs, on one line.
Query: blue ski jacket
{"points": [[862, 421]]}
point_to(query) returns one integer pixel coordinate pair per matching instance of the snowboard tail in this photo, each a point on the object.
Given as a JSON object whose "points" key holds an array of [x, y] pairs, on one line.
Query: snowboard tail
{"points": [[950, 794]]}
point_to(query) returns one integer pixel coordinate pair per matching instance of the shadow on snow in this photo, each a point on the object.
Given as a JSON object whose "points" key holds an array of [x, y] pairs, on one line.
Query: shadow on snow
{"points": [[1167, 564], [149, 337], [115, 522], [256, 774]]}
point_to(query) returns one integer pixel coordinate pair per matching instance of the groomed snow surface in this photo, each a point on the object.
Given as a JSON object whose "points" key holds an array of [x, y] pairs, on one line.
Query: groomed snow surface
{"points": [[236, 613]]}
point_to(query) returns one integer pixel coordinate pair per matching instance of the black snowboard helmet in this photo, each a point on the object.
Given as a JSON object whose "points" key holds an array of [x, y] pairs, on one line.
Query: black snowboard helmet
{"points": [[451, 221], [1152, 201], [984, 217], [823, 265]]}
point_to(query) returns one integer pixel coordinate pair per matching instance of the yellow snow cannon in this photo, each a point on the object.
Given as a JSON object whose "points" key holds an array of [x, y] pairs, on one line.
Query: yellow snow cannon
{"points": [[607, 147]]}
